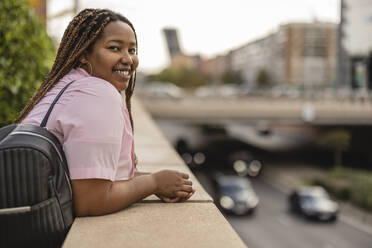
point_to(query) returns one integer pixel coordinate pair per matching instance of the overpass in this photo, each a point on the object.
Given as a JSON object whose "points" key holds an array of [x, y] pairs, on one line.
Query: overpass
{"points": [[251, 110]]}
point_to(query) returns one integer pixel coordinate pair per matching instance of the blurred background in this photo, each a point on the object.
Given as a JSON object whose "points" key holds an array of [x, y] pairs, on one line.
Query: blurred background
{"points": [[268, 103]]}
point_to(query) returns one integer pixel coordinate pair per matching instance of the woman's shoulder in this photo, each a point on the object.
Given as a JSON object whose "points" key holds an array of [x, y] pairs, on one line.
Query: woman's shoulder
{"points": [[93, 87], [83, 83]]}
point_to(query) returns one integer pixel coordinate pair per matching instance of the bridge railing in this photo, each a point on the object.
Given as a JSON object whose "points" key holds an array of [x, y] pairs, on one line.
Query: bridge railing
{"points": [[151, 223]]}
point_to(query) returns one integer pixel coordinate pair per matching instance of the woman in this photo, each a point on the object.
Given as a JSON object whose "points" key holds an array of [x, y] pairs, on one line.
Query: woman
{"points": [[98, 52]]}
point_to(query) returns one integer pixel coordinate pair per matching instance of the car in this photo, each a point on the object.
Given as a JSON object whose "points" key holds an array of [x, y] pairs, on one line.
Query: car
{"points": [[235, 195], [244, 163], [211, 148], [314, 203]]}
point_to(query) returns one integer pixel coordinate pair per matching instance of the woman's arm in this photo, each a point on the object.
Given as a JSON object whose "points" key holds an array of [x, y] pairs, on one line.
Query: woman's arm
{"points": [[99, 196]]}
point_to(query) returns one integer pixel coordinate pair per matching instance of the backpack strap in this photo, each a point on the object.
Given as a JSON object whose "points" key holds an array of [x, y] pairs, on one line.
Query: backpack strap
{"points": [[46, 117]]}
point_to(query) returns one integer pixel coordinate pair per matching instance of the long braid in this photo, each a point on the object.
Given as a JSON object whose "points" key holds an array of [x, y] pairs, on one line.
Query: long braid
{"points": [[78, 38]]}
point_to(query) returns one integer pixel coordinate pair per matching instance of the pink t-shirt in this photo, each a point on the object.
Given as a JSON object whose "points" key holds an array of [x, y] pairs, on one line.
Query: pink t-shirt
{"points": [[92, 124]]}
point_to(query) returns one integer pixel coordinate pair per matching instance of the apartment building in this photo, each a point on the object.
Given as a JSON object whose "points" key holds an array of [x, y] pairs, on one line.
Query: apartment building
{"points": [[297, 54]]}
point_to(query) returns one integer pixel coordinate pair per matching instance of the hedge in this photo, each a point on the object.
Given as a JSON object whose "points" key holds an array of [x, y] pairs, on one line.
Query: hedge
{"points": [[26, 55]]}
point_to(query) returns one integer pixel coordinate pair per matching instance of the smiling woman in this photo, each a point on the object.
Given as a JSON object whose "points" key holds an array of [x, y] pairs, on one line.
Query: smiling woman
{"points": [[113, 57], [98, 53]]}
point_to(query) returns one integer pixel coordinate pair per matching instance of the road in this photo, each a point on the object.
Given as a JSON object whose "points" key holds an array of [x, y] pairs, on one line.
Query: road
{"points": [[273, 226]]}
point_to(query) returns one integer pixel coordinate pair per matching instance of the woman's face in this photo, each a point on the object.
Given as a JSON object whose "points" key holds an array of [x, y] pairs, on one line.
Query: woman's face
{"points": [[113, 57]]}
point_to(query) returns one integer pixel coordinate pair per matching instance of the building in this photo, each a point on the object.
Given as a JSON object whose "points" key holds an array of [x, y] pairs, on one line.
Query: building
{"points": [[356, 26], [298, 54], [216, 67], [40, 7], [177, 57], [253, 57], [173, 43]]}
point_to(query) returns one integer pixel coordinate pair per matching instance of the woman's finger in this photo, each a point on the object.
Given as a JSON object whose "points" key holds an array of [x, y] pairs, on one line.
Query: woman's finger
{"points": [[182, 194], [172, 200], [187, 182], [188, 196], [169, 199], [184, 175], [186, 188]]}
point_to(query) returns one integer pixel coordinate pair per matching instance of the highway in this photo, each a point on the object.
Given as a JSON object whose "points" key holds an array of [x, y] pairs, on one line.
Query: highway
{"points": [[273, 226]]}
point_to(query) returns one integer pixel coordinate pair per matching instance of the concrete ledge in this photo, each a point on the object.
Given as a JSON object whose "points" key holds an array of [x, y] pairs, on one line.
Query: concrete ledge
{"points": [[151, 223], [156, 225]]}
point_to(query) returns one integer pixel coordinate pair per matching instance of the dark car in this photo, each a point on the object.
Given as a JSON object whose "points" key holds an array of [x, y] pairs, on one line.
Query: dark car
{"points": [[235, 195], [216, 150], [314, 203], [244, 164]]}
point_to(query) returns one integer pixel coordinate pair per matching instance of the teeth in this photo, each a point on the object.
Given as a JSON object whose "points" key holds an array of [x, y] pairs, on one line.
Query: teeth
{"points": [[124, 73]]}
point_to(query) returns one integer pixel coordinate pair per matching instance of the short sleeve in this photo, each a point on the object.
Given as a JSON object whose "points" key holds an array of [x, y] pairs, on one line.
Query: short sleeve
{"points": [[92, 126]]}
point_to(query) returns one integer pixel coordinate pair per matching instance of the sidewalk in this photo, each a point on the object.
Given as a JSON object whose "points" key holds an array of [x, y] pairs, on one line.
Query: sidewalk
{"points": [[287, 177]]}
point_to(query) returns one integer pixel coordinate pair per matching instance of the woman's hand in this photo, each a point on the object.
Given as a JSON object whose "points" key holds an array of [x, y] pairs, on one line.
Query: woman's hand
{"points": [[175, 199], [172, 186]]}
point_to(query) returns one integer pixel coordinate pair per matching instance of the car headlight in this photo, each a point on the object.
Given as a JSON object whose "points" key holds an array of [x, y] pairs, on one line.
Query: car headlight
{"points": [[252, 201], [254, 168], [240, 167], [226, 202]]}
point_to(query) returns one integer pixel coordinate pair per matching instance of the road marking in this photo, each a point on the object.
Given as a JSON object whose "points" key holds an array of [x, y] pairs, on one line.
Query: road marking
{"points": [[356, 224]]}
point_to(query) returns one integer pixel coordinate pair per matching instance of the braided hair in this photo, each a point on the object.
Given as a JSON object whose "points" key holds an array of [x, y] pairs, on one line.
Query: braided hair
{"points": [[79, 37]]}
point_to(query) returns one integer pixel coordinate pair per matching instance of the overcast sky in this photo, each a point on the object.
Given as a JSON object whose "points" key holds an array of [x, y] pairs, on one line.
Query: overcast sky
{"points": [[206, 27]]}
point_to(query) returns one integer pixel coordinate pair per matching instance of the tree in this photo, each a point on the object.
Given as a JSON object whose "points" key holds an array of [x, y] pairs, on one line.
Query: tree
{"points": [[181, 76], [232, 77], [26, 54], [337, 140], [263, 79]]}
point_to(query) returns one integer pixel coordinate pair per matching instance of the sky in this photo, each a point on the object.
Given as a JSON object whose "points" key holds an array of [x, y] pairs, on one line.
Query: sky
{"points": [[205, 27]]}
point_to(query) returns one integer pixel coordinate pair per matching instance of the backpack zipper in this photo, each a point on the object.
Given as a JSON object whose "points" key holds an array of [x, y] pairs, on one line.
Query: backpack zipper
{"points": [[55, 148]]}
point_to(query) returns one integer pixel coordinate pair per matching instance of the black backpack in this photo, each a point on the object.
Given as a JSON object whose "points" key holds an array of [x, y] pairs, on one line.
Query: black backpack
{"points": [[36, 208]]}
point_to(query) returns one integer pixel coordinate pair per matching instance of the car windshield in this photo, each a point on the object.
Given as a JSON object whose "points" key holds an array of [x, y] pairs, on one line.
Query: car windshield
{"points": [[315, 197], [231, 188]]}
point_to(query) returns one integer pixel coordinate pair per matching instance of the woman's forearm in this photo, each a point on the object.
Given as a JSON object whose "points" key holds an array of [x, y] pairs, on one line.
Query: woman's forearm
{"points": [[124, 193], [98, 197]]}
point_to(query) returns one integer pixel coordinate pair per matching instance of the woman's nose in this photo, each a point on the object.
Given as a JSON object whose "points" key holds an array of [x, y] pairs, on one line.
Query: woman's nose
{"points": [[126, 58]]}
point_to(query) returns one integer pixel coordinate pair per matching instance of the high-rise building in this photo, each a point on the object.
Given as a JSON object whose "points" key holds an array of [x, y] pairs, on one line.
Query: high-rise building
{"points": [[173, 44], [177, 57], [356, 39]]}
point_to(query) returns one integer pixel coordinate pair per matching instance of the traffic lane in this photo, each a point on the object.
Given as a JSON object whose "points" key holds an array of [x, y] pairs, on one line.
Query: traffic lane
{"points": [[274, 226]]}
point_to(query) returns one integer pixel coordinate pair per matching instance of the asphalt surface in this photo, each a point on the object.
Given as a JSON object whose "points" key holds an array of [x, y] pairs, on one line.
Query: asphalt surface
{"points": [[273, 226]]}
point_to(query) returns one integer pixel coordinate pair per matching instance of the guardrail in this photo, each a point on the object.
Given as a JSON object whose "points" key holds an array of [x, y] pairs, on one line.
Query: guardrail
{"points": [[151, 223]]}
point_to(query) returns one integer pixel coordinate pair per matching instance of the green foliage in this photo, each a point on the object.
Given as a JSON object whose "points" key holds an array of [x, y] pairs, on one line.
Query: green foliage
{"points": [[181, 76], [349, 185], [232, 77], [337, 140], [263, 79], [26, 54]]}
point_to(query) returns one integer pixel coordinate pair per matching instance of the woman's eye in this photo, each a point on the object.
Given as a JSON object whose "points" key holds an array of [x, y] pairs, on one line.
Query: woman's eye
{"points": [[114, 48], [132, 50]]}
